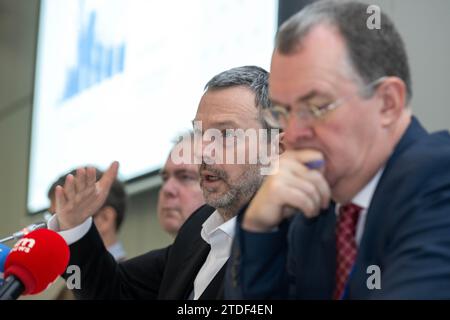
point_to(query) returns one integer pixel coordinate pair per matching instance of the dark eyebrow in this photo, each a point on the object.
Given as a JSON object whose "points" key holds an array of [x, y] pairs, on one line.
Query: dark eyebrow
{"points": [[177, 171], [182, 171]]}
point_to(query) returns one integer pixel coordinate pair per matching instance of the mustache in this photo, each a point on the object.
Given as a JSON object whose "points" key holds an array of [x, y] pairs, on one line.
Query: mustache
{"points": [[217, 172]]}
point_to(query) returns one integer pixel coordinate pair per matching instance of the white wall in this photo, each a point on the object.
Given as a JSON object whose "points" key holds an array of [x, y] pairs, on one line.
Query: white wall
{"points": [[425, 27], [18, 27]]}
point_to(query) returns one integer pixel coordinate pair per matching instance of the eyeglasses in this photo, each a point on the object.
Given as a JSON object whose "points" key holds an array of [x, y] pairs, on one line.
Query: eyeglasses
{"points": [[278, 116]]}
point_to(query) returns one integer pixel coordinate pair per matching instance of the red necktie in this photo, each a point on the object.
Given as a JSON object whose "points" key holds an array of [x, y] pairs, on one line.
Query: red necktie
{"points": [[345, 246]]}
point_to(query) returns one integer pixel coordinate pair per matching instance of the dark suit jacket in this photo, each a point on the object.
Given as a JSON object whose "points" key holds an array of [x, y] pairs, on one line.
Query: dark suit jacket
{"points": [[407, 235], [167, 273]]}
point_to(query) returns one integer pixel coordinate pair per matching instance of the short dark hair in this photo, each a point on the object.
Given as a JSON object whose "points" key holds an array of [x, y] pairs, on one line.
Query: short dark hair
{"points": [[116, 197], [253, 77], [373, 53]]}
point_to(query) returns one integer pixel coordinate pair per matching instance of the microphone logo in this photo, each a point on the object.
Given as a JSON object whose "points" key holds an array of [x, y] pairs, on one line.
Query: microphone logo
{"points": [[24, 245]]}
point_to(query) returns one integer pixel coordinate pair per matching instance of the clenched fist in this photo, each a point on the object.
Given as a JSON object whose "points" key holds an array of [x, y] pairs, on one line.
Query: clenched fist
{"points": [[293, 187]]}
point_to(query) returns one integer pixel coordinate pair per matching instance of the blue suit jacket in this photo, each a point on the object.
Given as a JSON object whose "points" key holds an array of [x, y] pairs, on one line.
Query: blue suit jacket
{"points": [[406, 234]]}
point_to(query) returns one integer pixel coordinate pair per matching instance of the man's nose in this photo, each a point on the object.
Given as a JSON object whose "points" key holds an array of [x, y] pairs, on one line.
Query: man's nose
{"points": [[297, 131], [169, 187], [210, 150]]}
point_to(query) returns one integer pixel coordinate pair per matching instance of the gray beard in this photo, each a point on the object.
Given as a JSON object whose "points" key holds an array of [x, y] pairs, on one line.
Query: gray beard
{"points": [[239, 193]]}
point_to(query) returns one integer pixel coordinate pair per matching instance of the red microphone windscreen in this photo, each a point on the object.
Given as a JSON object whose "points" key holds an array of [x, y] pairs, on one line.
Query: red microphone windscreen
{"points": [[38, 259]]}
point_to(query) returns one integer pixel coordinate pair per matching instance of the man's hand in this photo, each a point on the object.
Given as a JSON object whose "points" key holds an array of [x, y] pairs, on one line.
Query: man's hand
{"points": [[294, 186], [81, 196]]}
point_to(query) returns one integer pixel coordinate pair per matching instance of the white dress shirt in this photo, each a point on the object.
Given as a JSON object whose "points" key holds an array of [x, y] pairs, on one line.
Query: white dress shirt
{"points": [[363, 199], [117, 251], [219, 235], [70, 235], [75, 234]]}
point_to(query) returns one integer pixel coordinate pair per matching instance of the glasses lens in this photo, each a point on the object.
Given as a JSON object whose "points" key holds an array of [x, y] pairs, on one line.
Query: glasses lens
{"points": [[274, 117]]}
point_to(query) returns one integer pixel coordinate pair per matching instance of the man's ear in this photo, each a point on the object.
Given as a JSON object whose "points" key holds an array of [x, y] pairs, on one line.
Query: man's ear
{"points": [[392, 93], [281, 143], [105, 219]]}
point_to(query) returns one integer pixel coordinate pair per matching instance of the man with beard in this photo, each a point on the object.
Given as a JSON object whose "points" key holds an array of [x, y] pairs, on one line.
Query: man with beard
{"points": [[193, 267]]}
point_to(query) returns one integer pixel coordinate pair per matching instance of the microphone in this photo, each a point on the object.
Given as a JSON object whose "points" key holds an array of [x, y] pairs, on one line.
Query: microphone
{"points": [[34, 263], [20, 234], [4, 251]]}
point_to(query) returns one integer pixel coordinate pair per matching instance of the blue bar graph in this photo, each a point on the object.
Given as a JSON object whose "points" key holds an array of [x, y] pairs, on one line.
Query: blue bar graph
{"points": [[95, 61]]}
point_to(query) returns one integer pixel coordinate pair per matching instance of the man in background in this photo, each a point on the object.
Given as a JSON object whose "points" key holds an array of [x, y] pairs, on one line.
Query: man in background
{"points": [[180, 194]]}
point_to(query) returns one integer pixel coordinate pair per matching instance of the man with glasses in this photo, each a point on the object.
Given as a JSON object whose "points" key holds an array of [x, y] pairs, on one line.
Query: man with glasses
{"points": [[373, 221]]}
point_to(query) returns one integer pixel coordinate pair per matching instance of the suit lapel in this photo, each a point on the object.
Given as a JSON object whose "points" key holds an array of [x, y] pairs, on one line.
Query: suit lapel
{"points": [[369, 249], [374, 217], [186, 257], [190, 266]]}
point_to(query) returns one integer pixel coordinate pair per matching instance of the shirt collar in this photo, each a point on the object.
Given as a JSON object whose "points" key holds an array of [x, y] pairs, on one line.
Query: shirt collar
{"points": [[214, 224], [364, 197], [117, 251]]}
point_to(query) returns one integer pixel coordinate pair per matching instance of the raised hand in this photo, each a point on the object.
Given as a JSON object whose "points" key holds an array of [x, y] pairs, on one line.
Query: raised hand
{"points": [[81, 196]]}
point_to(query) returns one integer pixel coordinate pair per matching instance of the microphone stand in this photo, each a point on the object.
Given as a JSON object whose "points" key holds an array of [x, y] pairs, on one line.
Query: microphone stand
{"points": [[22, 233]]}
